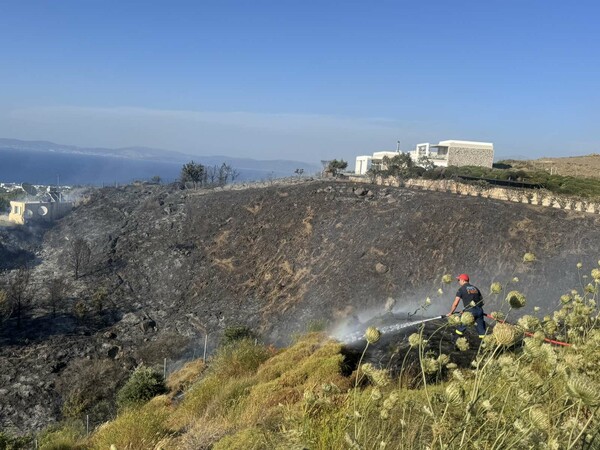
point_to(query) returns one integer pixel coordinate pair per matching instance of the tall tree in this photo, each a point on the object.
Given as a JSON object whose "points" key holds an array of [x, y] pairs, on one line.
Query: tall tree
{"points": [[57, 290], [78, 256], [335, 166], [193, 172], [18, 293]]}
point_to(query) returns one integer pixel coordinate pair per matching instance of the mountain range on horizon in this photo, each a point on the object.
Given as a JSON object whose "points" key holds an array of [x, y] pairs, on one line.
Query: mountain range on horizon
{"points": [[45, 162]]}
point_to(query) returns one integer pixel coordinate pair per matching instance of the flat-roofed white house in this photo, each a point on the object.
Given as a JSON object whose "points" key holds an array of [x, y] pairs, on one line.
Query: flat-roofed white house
{"points": [[447, 153], [364, 163], [456, 153]]}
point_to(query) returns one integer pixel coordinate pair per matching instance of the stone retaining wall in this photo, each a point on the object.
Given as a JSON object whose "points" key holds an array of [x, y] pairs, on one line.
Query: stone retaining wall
{"points": [[539, 197]]}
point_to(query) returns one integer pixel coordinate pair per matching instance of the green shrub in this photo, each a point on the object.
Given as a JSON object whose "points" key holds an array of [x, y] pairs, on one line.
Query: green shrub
{"points": [[237, 333], [62, 437], [9, 442], [144, 384], [239, 358]]}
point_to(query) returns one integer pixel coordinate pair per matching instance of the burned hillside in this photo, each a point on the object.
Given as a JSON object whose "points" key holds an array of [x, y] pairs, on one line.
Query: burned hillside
{"points": [[168, 266]]}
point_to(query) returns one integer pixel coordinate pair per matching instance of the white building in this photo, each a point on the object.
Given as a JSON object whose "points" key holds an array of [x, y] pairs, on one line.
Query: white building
{"points": [[447, 153], [456, 153], [364, 163]]}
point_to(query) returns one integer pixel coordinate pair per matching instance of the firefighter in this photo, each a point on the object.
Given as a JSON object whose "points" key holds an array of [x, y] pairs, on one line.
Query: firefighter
{"points": [[472, 302]]}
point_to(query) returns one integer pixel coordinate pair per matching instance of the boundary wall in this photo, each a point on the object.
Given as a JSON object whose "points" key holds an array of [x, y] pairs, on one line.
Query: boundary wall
{"points": [[540, 197]]}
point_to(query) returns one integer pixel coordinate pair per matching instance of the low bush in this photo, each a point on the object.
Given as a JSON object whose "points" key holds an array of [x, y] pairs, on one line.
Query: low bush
{"points": [[143, 385], [136, 428]]}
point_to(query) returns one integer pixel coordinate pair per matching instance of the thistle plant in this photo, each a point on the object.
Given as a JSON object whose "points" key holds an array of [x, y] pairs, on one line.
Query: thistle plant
{"points": [[516, 299], [467, 318], [372, 335], [529, 257], [462, 344], [505, 334], [580, 387], [454, 394], [447, 279], [496, 288]]}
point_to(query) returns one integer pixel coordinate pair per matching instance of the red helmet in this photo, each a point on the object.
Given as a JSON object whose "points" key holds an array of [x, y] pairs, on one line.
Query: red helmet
{"points": [[463, 276]]}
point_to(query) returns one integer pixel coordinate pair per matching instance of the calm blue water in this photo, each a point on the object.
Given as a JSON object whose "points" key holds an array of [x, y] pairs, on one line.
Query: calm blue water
{"points": [[18, 166]]}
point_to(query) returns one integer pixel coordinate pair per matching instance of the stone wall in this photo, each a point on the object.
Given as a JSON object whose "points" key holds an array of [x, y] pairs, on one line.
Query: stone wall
{"points": [[540, 197], [470, 156]]}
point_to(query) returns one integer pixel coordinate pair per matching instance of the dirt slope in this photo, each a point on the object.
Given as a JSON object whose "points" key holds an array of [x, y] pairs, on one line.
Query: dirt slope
{"points": [[175, 263], [587, 166]]}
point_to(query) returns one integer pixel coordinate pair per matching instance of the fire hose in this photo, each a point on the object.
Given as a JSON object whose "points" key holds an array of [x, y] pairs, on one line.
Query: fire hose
{"points": [[528, 333]]}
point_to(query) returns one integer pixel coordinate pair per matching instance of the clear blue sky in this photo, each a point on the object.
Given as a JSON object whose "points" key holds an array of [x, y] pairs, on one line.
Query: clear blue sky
{"points": [[304, 80]]}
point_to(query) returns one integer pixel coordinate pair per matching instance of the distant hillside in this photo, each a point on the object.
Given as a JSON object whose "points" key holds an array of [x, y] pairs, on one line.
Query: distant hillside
{"points": [[587, 166], [43, 162]]}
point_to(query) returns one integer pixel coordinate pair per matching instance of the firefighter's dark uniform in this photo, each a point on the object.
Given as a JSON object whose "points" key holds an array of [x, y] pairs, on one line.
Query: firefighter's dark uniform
{"points": [[472, 302]]}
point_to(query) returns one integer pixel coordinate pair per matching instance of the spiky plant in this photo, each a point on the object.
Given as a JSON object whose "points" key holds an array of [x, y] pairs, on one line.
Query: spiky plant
{"points": [[496, 288], [505, 334], [580, 387], [516, 299], [462, 344], [372, 335], [467, 318], [454, 394]]}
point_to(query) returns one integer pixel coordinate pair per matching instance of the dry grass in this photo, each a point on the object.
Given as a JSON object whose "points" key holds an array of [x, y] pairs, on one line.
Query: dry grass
{"points": [[186, 376], [137, 428], [254, 209], [534, 396], [225, 263], [308, 228]]}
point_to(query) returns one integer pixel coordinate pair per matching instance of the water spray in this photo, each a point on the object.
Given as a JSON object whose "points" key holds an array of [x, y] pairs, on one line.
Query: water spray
{"points": [[359, 335]]}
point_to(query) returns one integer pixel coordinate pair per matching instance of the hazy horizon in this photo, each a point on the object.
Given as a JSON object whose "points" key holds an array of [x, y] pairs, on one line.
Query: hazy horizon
{"points": [[304, 82]]}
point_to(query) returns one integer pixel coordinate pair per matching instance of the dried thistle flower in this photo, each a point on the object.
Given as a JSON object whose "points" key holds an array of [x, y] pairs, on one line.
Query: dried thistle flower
{"points": [[579, 265], [516, 299], [377, 377], [455, 394], [590, 288], [529, 257], [440, 291], [443, 359], [566, 298], [415, 340], [309, 397], [391, 401], [428, 301], [447, 278], [539, 336], [528, 323], [533, 348], [498, 315], [485, 405], [454, 320], [539, 418], [582, 388], [505, 334], [515, 279], [429, 365], [372, 335], [462, 344], [458, 375], [376, 394], [496, 288], [467, 318], [451, 366]]}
